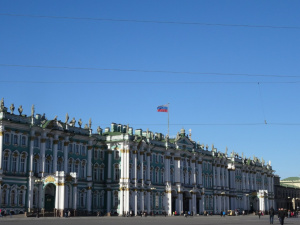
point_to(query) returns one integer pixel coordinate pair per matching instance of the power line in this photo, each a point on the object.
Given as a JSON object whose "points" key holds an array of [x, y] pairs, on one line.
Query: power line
{"points": [[148, 71], [143, 82], [151, 21]]}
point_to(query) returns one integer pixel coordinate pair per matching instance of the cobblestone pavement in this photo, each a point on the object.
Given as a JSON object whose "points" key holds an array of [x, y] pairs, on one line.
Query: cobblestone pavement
{"points": [[159, 220]]}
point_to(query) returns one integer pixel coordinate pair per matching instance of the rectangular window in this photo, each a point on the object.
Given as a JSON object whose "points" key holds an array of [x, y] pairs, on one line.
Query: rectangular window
{"points": [[117, 154]]}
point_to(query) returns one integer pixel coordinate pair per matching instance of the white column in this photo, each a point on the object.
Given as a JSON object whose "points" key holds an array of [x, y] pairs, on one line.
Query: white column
{"points": [[30, 178], [135, 202], [1, 147], [193, 172], [74, 196], [134, 172], [108, 208], [194, 202], [55, 144], [148, 202], [177, 169], [142, 168], [121, 193], [30, 192], [66, 145], [148, 166], [109, 166], [263, 182], [215, 204], [41, 194], [89, 161], [42, 152], [142, 201], [199, 172], [89, 197], [218, 175]]}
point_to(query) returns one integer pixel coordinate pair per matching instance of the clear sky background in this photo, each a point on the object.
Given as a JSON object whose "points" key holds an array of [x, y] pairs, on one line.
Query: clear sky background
{"points": [[225, 67]]}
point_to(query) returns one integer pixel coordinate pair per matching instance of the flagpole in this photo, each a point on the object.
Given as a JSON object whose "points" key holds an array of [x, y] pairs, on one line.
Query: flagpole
{"points": [[168, 121]]}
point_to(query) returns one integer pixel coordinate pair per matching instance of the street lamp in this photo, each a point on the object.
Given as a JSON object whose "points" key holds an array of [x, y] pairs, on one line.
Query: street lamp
{"points": [[38, 182]]}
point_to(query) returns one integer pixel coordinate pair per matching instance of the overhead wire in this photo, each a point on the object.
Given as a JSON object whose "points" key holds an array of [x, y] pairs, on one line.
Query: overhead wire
{"points": [[148, 71], [150, 21]]}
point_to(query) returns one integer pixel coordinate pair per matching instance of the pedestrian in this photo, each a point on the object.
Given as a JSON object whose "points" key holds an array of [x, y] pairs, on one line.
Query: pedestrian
{"points": [[271, 213], [281, 216], [259, 214]]}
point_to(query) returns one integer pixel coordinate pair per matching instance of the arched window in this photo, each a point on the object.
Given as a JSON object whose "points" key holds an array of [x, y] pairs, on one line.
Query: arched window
{"points": [[3, 197], [15, 139], [60, 164], [96, 173], [21, 197], [156, 176], [101, 174], [36, 164], [116, 199], [48, 165], [70, 166], [82, 172], [22, 163], [117, 172], [6, 161], [82, 200], [12, 197], [14, 163], [23, 140]]}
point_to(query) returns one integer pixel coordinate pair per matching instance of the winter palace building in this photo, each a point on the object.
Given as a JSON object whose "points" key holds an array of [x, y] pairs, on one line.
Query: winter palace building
{"points": [[51, 166]]}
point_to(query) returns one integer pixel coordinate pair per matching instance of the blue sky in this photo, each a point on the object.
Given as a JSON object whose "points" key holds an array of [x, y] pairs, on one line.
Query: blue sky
{"points": [[224, 110]]}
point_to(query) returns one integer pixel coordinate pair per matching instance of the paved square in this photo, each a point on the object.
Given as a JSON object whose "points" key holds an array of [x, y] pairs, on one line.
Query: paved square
{"points": [[179, 220]]}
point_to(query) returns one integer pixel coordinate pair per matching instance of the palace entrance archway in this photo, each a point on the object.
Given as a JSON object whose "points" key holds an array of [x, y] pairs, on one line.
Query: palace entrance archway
{"points": [[50, 190]]}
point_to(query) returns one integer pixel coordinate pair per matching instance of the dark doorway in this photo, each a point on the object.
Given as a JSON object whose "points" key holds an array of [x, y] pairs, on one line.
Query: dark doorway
{"points": [[186, 199], [49, 197]]}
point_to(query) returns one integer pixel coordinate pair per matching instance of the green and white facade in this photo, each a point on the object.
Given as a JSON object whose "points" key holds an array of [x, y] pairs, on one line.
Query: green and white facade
{"points": [[52, 165]]}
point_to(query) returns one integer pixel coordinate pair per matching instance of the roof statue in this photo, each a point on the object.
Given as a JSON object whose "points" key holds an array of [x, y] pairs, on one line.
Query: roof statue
{"points": [[206, 147], [43, 116], [73, 122], [167, 138], [242, 155], [262, 160], [67, 118], [86, 127], [226, 150], [2, 103], [177, 137], [269, 163], [190, 134], [55, 118], [90, 123], [127, 129], [147, 133], [212, 147], [98, 129], [232, 154], [12, 108], [32, 110], [80, 122], [20, 109]]}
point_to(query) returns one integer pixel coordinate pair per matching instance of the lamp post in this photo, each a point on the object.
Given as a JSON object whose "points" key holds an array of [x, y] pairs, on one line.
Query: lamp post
{"points": [[38, 182]]}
